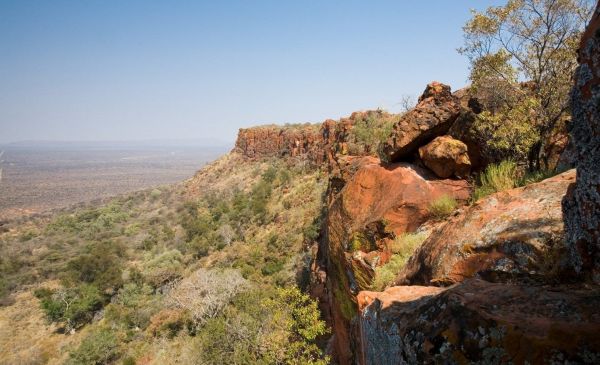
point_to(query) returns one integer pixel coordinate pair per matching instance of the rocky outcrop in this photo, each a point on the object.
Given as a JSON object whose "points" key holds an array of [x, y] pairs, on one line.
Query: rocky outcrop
{"points": [[510, 236], [479, 322], [375, 203], [463, 130], [433, 116], [581, 206], [280, 141], [446, 156]]}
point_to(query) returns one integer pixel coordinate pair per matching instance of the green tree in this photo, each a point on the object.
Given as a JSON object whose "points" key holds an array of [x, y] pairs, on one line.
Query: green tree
{"points": [[99, 347], [72, 306], [526, 40]]}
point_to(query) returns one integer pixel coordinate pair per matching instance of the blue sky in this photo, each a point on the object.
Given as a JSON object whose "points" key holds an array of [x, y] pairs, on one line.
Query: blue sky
{"points": [[136, 70]]}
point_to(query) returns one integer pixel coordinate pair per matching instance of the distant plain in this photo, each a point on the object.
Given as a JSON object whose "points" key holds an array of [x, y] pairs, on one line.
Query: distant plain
{"points": [[37, 177]]}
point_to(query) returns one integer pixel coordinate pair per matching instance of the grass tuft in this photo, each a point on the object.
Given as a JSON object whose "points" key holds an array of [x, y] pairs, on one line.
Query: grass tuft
{"points": [[403, 247], [442, 207]]}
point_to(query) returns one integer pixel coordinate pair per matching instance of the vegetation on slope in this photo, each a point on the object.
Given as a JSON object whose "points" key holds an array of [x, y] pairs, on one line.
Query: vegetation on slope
{"points": [[210, 272]]}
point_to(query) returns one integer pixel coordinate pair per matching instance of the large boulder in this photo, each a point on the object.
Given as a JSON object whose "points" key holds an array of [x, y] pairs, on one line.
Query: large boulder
{"points": [[582, 204], [446, 156], [433, 116], [374, 203], [478, 322], [509, 236]]}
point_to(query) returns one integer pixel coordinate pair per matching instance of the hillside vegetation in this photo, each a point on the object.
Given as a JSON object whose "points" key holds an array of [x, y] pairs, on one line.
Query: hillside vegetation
{"points": [[208, 271]]}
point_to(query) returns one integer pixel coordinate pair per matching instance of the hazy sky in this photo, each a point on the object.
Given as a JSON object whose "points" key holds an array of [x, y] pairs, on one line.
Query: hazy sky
{"points": [[134, 70]]}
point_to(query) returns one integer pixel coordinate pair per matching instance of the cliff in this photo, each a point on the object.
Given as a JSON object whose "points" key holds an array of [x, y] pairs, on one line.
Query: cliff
{"points": [[492, 281], [302, 141], [581, 206]]}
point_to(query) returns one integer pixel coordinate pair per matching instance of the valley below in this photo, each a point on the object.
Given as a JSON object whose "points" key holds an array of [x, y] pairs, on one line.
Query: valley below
{"points": [[39, 177]]}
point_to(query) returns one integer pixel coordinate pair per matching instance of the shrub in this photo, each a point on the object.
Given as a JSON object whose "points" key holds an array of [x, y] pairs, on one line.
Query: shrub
{"points": [[403, 247], [294, 316], [369, 130], [497, 177], [509, 133], [163, 268], [442, 207], [205, 293], [101, 267], [72, 306], [99, 347]]}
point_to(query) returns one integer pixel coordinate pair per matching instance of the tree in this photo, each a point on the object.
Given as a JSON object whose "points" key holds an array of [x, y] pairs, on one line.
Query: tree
{"points": [[526, 49], [205, 293]]}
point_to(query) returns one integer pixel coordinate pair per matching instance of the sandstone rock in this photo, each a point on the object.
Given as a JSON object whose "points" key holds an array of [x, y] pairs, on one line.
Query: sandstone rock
{"points": [[446, 156], [509, 236], [278, 141], [581, 206], [433, 116], [356, 240], [463, 130], [480, 323]]}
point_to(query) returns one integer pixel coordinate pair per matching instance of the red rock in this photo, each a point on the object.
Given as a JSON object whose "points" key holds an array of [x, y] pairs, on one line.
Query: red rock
{"points": [[508, 236], [433, 116], [279, 141], [356, 237], [480, 322], [446, 156]]}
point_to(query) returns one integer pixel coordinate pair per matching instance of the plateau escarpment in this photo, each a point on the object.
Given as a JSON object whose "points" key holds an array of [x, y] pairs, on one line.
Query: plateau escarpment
{"points": [[499, 252]]}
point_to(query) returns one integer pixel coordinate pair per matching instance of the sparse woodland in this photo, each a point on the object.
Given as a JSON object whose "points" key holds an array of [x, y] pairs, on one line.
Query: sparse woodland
{"points": [[418, 237]]}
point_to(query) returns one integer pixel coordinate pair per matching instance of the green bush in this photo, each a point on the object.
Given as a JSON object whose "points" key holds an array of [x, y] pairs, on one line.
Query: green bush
{"points": [[369, 130], [442, 207], [403, 247], [101, 267], [72, 306], [98, 348], [509, 132], [497, 177], [163, 267]]}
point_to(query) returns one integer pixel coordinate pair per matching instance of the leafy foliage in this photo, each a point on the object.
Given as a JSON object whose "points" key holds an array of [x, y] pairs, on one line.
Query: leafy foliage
{"points": [[175, 282], [526, 40], [74, 306], [369, 130], [510, 132], [99, 347], [403, 247]]}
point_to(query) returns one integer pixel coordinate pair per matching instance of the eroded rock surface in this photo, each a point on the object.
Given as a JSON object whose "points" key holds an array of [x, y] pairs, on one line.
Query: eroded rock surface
{"points": [[477, 322], [276, 141], [446, 156], [433, 116], [582, 205], [507, 237], [375, 202]]}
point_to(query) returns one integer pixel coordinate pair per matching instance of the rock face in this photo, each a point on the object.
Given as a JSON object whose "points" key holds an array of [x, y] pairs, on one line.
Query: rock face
{"points": [[582, 205], [481, 323], [374, 203], [446, 156], [510, 236], [433, 116], [276, 141]]}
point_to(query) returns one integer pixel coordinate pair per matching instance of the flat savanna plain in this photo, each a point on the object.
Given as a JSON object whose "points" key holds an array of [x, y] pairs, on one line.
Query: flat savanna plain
{"points": [[35, 179]]}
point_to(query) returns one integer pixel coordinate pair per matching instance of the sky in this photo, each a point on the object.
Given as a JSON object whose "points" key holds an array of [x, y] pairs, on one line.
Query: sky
{"points": [[116, 70]]}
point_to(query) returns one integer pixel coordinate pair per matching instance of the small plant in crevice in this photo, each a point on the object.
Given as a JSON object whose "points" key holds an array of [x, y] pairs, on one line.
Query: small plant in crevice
{"points": [[403, 248], [496, 177], [442, 207]]}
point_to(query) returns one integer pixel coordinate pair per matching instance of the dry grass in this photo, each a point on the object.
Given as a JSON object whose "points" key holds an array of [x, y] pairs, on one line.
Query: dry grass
{"points": [[27, 338]]}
